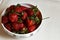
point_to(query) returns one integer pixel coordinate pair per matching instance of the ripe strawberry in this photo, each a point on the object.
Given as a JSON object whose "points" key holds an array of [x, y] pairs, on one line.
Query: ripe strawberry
{"points": [[13, 17], [17, 26], [21, 25], [12, 7], [23, 7], [24, 15], [30, 22], [19, 9], [4, 19], [30, 12], [8, 26], [38, 14], [31, 28]]}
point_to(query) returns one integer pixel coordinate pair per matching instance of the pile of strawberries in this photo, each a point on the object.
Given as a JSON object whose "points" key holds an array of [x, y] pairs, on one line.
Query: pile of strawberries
{"points": [[21, 19]]}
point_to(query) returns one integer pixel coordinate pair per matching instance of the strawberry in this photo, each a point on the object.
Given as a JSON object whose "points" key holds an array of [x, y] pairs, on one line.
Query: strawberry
{"points": [[18, 26], [23, 8], [4, 19], [30, 12], [38, 14], [8, 26], [19, 9], [21, 25], [30, 22], [13, 17], [12, 7], [31, 28], [24, 15]]}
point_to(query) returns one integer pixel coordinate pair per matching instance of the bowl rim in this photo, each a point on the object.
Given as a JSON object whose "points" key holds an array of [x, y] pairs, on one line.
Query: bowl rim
{"points": [[16, 33]]}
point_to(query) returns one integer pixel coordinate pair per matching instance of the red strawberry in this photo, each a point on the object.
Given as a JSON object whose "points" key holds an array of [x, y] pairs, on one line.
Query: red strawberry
{"points": [[30, 12], [38, 14], [8, 26], [13, 17], [20, 8], [23, 8], [18, 26], [10, 8], [31, 28], [24, 15], [21, 25], [4, 19], [30, 22]]}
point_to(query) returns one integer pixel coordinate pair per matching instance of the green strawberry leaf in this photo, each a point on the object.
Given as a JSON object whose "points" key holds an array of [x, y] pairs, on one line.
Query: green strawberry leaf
{"points": [[35, 9], [19, 20], [12, 11], [32, 17], [18, 5], [24, 30], [37, 20]]}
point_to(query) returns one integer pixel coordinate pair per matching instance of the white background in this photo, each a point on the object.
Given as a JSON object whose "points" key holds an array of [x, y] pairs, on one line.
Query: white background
{"points": [[50, 28]]}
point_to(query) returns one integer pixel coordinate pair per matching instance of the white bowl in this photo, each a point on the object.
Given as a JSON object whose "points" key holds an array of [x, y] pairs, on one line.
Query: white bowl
{"points": [[19, 35]]}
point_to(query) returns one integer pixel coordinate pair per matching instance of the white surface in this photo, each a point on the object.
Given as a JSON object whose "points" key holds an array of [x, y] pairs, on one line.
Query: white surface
{"points": [[50, 28], [0, 1], [54, 0]]}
